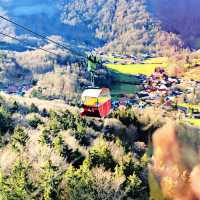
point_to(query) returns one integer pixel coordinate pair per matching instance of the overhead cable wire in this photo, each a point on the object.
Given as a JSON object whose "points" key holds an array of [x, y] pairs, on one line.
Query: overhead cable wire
{"points": [[14, 38], [44, 37]]}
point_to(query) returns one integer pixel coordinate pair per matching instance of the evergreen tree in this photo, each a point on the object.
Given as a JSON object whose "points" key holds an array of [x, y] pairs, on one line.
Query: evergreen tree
{"points": [[5, 120], [17, 185], [49, 182], [79, 183], [14, 107], [101, 155], [19, 138], [34, 108]]}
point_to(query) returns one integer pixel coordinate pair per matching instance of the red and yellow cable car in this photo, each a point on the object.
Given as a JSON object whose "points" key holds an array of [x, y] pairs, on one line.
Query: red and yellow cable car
{"points": [[96, 102]]}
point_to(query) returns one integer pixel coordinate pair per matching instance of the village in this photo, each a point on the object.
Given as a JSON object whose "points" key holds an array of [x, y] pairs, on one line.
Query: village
{"points": [[162, 91], [158, 89]]}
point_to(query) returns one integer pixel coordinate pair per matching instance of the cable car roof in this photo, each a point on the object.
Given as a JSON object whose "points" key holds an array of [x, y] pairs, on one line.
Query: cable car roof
{"points": [[94, 92]]}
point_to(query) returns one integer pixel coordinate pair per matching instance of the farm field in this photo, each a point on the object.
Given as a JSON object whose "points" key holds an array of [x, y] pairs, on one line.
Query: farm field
{"points": [[123, 88], [125, 82], [196, 107], [145, 68], [194, 122]]}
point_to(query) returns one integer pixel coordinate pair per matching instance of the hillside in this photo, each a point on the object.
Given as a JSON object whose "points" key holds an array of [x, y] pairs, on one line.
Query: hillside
{"points": [[67, 152], [180, 17], [138, 62], [45, 19], [131, 26], [127, 25], [47, 151], [94, 23]]}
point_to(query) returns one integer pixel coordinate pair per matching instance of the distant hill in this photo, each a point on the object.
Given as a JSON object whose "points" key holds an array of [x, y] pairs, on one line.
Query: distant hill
{"points": [[44, 18], [117, 25], [125, 26], [181, 17]]}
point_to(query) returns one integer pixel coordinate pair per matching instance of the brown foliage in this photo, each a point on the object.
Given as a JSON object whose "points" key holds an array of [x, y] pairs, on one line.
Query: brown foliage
{"points": [[177, 181]]}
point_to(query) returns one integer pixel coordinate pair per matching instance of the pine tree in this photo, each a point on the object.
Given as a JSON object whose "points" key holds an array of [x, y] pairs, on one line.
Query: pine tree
{"points": [[5, 120], [19, 138], [79, 182], [49, 182], [17, 185]]}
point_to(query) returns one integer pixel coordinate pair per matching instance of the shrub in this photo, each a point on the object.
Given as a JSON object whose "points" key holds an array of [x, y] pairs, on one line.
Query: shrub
{"points": [[54, 125], [76, 158], [35, 121], [81, 135], [37, 94], [127, 117], [79, 183], [14, 107], [112, 128], [61, 148], [134, 186], [94, 125], [130, 165], [45, 137], [44, 113], [104, 185], [68, 120]]}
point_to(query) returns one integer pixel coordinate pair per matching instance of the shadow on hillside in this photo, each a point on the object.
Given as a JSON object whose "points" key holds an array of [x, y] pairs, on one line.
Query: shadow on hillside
{"points": [[123, 84], [124, 78]]}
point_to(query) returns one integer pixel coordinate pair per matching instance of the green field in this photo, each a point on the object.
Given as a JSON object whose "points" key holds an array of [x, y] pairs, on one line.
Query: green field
{"points": [[123, 88], [158, 60], [191, 106], [123, 78], [146, 68], [124, 82], [112, 58], [194, 122]]}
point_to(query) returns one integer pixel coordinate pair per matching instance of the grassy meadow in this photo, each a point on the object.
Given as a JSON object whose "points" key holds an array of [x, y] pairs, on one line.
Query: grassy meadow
{"points": [[194, 122], [191, 106], [122, 74], [145, 68]]}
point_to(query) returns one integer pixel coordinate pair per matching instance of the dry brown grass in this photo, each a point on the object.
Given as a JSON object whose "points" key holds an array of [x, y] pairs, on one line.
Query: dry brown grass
{"points": [[59, 84], [193, 74], [115, 124], [38, 154], [57, 105], [7, 159], [149, 115], [117, 151], [107, 186], [73, 143]]}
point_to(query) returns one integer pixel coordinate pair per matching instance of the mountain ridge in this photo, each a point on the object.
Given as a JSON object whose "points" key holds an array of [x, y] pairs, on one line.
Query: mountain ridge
{"points": [[122, 25]]}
